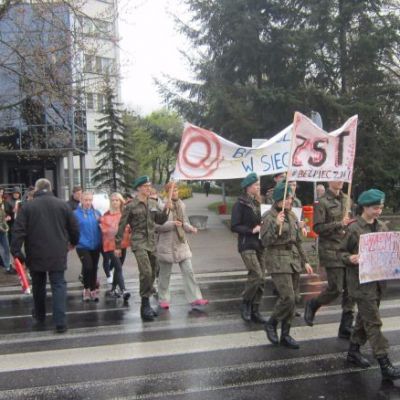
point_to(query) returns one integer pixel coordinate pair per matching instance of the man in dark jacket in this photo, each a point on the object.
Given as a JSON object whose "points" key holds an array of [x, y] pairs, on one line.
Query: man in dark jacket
{"points": [[75, 198], [48, 229], [246, 220]]}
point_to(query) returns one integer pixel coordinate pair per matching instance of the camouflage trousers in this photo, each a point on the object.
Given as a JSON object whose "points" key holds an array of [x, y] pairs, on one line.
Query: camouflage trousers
{"points": [[285, 306], [368, 326], [146, 261], [254, 287], [336, 286]]}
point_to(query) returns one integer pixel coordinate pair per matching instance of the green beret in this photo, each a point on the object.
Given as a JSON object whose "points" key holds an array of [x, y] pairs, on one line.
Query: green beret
{"points": [[371, 197], [279, 191], [249, 180], [140, 181]]}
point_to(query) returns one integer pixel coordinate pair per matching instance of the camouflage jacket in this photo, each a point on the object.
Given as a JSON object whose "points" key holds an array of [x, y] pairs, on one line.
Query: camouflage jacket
{"points": [[283, 253], [349, 246], [142, 218], [328, 216]]}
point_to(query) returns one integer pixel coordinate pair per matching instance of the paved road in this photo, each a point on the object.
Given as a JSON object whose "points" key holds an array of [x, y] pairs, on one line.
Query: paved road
{"points": [[109, 353]]}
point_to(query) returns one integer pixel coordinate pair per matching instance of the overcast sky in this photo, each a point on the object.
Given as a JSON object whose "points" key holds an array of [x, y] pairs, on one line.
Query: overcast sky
{"points": [[149, 47]]}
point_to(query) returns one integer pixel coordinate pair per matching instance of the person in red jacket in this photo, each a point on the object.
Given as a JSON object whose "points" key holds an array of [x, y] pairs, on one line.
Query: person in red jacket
{"points": [[109, 226]]}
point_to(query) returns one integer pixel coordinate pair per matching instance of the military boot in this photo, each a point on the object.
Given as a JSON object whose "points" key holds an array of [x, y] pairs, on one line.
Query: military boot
{"points": [[270, 329], [346, 325], [355, 357], [389, 371], [286, 339], [146, 312], [310, 309], [256, 316], [245, 310]]}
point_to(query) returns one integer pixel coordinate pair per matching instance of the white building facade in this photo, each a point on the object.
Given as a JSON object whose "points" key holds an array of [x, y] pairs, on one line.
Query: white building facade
{"points": [[99, 57]]}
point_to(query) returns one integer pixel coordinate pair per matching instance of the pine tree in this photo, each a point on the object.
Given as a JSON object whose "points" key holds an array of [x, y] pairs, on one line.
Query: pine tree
{"points": [[115, 150], [258, 61]]}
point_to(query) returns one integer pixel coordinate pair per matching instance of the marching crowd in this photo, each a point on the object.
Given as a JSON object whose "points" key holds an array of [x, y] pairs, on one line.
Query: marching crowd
{"points": [[273, 242], [44, 230]]}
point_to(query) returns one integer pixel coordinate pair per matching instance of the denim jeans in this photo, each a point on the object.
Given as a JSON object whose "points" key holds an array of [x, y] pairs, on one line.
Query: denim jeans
{"points": [[116, 263], [59, 292], [5, 250]]}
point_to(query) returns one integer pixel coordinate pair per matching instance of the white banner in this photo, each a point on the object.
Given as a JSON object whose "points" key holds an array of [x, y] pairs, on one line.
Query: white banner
{"points": [[204, 155], [379, 256], [319, 156]]}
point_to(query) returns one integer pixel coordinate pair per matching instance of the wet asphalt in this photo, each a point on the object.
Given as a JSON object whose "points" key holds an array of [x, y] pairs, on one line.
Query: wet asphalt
{"points": [[109, 353]]}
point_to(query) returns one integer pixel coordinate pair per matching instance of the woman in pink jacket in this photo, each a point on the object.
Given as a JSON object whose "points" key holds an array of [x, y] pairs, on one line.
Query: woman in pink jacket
{"points": [[109, 226]]}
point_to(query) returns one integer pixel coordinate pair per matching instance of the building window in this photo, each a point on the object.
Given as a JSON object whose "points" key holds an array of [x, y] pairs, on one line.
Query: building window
{"points": [[77, 177], [90, 101], [92, 140], [104, 65], [100, 102], [89, 178], [89, 61], [98, 27]]}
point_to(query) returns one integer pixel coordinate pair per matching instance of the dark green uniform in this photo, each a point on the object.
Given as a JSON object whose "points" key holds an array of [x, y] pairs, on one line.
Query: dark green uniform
{"points": [[328, 216], [283, 257], [142, 218], [367, 295]]}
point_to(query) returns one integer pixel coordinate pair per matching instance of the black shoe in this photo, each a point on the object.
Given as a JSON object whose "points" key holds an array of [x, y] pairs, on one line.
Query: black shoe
{"points": [[346, 325], [61, 328], [146, 312], [310, 309], [11, 271], [256, 316], [126, 296], [270, 330], [286, 339], [389, 371], [297, 314], [355, 357], [245, 310]]}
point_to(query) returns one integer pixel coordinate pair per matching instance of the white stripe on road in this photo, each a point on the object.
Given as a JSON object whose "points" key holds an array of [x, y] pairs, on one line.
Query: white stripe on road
{"points": [[195, 376], [159, 348]]}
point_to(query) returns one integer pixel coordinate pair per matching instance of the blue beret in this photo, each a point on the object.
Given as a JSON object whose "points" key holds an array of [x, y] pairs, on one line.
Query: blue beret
{"points": [[371, 197], [249, 180], [279, 191], [140, 181]]}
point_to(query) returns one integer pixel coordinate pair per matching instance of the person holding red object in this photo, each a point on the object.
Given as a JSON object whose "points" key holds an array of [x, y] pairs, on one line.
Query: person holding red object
{"points": [[47, 228]]}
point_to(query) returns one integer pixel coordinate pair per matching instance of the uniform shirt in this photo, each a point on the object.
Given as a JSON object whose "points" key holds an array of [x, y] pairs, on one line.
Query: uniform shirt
{"points": [[282, 251], [328, 216], [142, 218], [349, 246]]}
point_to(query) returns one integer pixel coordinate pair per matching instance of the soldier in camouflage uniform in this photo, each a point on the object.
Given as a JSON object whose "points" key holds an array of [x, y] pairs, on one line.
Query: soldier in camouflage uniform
{"points": [[142, 213], [368, 324], [330, 223], [281, 262], [245, 221]]}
